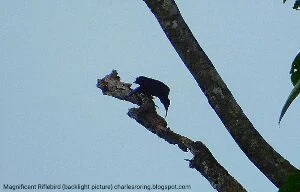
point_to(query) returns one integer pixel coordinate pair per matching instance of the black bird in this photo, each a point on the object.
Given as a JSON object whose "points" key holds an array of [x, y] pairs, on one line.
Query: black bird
{"points": [[152, 87]]}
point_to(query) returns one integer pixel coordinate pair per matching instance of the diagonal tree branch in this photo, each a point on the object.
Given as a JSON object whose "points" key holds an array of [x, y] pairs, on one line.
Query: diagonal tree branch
{"points": [[146, 115], [262, 155]]}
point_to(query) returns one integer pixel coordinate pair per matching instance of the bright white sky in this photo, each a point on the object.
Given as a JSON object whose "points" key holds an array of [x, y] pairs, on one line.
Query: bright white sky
{"points": [[57, 127]]}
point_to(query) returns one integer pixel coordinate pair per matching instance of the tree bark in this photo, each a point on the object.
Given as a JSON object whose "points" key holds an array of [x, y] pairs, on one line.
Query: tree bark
{"points": [[262, 155], [146, 115]]}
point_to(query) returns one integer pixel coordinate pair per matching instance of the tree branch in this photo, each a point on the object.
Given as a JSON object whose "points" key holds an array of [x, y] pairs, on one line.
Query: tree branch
{"points": [[147, 116], [262, 155]]}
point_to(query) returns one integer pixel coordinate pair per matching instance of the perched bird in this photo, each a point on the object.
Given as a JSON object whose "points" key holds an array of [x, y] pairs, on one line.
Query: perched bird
{"points": [[152, 87]]}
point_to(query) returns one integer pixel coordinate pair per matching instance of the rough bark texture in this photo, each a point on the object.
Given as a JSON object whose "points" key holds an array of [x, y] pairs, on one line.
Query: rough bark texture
{"points": [[147, 116], [264, 157]]}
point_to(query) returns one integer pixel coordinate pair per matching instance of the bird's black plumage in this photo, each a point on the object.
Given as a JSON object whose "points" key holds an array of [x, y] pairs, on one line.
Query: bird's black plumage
{"points": [[152, 87]]}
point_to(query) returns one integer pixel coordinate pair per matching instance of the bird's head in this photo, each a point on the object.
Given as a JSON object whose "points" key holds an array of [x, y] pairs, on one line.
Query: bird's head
{"points": [[140, 80]]}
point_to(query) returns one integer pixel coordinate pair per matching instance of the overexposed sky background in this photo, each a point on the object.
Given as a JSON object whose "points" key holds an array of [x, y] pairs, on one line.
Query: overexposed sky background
{"points": [[57, 127]]}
